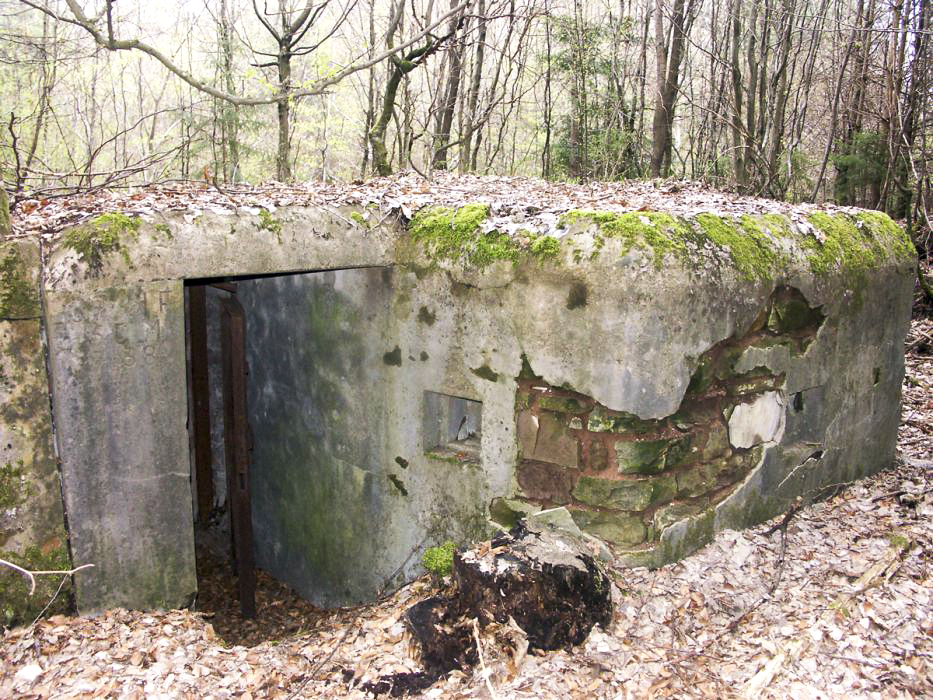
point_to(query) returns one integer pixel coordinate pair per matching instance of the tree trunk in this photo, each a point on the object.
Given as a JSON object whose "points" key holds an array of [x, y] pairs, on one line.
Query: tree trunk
{"points": [[445, 117], [669, 57], [466, 148], [283, 169]]}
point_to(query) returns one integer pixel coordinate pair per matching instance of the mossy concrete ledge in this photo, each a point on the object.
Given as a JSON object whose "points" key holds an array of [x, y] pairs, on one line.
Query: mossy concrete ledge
{"points": [[662, 374]]}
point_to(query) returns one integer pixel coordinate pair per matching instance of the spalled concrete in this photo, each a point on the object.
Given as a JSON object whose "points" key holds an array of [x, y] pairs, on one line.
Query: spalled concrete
{"points": [[644, 371]]}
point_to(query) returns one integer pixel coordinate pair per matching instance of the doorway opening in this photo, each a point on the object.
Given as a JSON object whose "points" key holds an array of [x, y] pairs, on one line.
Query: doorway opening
{"points": [[276, 370]]}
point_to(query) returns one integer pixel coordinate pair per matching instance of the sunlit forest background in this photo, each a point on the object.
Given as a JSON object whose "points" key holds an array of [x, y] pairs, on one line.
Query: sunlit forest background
{"points": [[825, 100]]}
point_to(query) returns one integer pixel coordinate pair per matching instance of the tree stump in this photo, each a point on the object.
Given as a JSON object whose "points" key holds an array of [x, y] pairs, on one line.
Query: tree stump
{"points": [[540, 576]]}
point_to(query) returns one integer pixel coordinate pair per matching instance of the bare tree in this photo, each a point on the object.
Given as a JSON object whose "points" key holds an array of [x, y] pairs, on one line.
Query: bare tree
{"points": [[671, 34]]}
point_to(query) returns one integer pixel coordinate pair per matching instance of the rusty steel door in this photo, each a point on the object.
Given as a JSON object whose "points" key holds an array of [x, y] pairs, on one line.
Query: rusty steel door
{"points": [[237, 449]]}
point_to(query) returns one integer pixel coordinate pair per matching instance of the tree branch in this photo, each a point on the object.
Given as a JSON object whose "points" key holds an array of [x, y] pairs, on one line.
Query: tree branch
{"points": [[31, 575], [321, 86]]}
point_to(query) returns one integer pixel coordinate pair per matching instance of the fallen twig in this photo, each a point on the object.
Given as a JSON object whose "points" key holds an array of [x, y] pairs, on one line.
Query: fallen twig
{"points": [[482, 661], [31, 575]]}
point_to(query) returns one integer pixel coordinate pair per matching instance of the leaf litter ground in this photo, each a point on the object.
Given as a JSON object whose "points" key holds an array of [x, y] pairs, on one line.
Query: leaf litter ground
{"points": [[836, 604]]}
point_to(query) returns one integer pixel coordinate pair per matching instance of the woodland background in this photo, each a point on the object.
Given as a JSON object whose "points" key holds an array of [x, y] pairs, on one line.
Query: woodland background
{"points": [[790, 99]]}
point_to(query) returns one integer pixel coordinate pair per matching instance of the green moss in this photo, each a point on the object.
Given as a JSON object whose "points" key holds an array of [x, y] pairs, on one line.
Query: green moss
{"points": [[267, 222], [439, 560], [165, 230], [485, 372], [750, 248], [886, 231], [846, 247], [19, 297], [602, 420], [656, 231], [545, 247], [898, 540], [101, 237], [13, 486], [16, 605], [562, 404], [455, 235], [358, 218]]}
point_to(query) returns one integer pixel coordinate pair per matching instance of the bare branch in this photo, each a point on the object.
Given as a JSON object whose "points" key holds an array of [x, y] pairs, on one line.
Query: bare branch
{"points": [[318, 88], [31, 575]]}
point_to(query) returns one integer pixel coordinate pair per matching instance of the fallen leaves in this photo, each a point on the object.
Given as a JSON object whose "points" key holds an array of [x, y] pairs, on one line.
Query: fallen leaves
{"points": [[517, 205]]}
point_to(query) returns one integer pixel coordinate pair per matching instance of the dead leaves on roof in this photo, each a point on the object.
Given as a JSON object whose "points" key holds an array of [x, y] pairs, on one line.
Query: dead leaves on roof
{"points": [[516, 203]]}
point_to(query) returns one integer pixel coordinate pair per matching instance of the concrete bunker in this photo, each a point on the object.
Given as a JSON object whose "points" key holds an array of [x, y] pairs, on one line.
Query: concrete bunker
{"points": [[657, 372]]}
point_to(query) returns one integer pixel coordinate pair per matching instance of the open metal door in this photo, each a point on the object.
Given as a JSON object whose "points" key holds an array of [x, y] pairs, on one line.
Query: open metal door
{"points": [[236, 449]]}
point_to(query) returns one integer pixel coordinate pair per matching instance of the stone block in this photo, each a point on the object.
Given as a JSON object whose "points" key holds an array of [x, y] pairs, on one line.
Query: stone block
{"points": [[597, 456], [700, 479], [562, 404], [527, 432], [604, 421], [650, 456], [633, 495], [674, 512], [644, 457], [555, 443], [717, 443], [618, 528], [757, 422], [544, 481]]}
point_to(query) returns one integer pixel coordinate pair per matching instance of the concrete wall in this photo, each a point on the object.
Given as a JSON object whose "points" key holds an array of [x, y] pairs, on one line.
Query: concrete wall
{"points": [[32, 528], [118, 369], [348, 491], [316, 395]]}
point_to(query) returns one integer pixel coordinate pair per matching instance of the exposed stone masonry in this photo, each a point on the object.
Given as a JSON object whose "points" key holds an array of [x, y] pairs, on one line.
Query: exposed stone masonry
{"points": [[626, 479]]}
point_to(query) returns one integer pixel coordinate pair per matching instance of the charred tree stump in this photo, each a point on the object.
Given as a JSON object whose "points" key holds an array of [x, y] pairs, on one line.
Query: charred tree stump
{"points": [[541, 577]]}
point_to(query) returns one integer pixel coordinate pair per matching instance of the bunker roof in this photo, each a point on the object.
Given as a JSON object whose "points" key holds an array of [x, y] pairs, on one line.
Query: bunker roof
{"points": [[515, 203]]}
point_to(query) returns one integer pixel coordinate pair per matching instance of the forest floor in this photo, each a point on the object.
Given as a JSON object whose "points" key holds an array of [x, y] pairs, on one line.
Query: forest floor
{"points": [[837, 603]]}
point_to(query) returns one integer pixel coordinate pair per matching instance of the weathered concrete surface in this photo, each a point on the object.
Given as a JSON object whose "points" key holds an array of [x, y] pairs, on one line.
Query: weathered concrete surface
{"points": [[657, 345], [120, 410], [32, 529], [324, 509]]}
